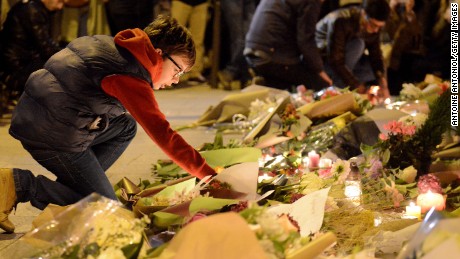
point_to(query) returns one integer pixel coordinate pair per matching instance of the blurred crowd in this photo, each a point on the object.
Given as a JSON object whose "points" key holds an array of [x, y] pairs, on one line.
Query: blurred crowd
{"points": [[280, 44]]}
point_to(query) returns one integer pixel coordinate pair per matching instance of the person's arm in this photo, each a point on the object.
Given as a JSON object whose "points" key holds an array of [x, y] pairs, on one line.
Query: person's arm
{"points": [[337, 38], [376, 58], [138, 98], [306, 21]]}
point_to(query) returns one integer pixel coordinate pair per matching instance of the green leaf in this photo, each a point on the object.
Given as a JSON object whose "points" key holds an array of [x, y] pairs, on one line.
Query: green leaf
{"points": [[456, 190], [131, 251], [165, 219], [228, 157], [386, 156], [71, 252], [209, 204]]}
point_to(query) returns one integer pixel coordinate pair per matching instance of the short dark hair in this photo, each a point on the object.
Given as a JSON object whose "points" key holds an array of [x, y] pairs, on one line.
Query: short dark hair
{"points": [[377, 9], [167, 34]]}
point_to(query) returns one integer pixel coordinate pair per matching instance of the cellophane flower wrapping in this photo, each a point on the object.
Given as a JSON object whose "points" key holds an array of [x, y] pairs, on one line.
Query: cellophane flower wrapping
{"points": [[95, 227]]}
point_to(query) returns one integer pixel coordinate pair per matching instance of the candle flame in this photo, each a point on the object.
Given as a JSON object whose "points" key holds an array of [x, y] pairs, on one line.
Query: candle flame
{"points": [[374, 89]]}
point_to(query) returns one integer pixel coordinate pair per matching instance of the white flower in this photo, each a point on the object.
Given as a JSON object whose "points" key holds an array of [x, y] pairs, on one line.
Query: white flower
{"points": [[341, 168], [311, 183], [410, 92], [408, 174], [417, 120], [259, 109]]}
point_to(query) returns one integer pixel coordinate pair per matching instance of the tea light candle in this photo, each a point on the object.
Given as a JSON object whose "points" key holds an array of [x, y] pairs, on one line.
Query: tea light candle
{"points": [[414, 211], [374, 90], [313, 159], [325, 163], [430, 199], [353, 191], [377, 221]]}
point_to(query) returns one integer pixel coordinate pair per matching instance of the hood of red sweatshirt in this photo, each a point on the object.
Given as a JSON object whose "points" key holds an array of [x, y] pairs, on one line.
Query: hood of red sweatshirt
{"points": [[138, 43]]}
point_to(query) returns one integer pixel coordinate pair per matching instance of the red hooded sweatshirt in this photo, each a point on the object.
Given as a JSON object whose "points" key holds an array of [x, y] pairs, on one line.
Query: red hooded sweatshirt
{"points": [[138, 97]]}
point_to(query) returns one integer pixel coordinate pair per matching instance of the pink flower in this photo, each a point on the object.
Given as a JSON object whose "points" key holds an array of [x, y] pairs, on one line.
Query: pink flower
{"points": [[325, 173], [196, 217], [383, 136], [409, 130], [398, 127], [394, 127]]}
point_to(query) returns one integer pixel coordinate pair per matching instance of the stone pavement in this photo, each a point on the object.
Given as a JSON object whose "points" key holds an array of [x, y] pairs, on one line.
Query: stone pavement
{"points": [[181, 106]]}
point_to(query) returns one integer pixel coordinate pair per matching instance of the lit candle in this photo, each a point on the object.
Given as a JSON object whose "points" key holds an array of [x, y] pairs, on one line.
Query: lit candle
{"points": [[313, 158], [305, 161], [374, 90], [430, 199], [265, 176], [353, 191], [377, 221], [373, 94], [414, 211], [325, 163]]}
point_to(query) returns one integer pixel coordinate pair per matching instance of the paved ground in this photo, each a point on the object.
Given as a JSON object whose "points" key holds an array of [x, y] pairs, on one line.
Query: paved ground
{"points": [[181, 106]]}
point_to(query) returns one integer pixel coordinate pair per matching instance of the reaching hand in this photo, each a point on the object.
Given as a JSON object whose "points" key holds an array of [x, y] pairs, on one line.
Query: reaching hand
{"points": [[383, 91], [325, 77]]}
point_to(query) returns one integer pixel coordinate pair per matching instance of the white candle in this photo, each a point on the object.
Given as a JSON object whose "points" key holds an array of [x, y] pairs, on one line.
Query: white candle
{"points": [[353, 191], [325, 163], [374, 89], [377, 221], [430, 199], [414, 211], [313, 158]]}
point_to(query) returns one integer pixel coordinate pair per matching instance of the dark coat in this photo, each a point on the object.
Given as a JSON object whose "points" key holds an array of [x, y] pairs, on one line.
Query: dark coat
{"points": [[26, 35], [332, 34], [61, 101], [286, 30]]}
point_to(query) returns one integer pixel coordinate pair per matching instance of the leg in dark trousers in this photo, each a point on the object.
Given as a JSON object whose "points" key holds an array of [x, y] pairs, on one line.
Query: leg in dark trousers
{"points": [[78, 174]]}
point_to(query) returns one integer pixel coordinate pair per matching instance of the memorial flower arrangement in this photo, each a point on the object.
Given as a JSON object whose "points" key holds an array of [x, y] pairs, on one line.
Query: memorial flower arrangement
{"points": [[95, 227], [424, 90], [410, 142], [277, 235], [289, 118]]}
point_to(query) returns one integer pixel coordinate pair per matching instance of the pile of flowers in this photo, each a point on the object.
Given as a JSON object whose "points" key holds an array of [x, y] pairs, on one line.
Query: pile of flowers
{"points": [[412, 92], [277, 235], [95, 227]]}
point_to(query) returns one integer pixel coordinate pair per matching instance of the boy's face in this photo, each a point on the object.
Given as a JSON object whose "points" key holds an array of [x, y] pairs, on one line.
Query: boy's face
{"points": [[173, 68]]}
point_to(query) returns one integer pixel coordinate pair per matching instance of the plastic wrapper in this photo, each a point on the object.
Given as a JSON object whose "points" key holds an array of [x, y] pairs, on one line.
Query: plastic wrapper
{"points": [[94, 227], [331, 107], [231, 240]]}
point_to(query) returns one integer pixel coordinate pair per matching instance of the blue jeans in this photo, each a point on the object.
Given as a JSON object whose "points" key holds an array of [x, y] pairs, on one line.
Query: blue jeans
{"points": [[78, 174], [358, 63]]}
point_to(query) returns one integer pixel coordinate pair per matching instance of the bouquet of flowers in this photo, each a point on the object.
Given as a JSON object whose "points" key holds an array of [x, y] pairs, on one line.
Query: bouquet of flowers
{"points": [[95, 227], [411, 142]]}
